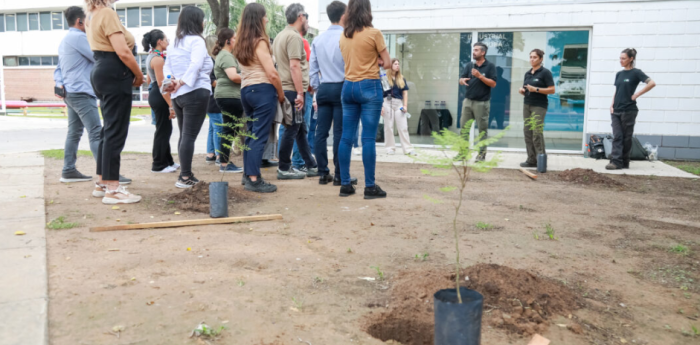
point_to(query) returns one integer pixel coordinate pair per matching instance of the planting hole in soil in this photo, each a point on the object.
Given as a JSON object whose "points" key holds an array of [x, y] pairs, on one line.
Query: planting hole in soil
{"points": [[197, 198], [515, 300]]}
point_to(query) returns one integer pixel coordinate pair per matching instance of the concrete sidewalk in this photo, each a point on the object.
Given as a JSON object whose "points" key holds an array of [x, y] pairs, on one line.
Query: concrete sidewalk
{"points": [[23, 282]]}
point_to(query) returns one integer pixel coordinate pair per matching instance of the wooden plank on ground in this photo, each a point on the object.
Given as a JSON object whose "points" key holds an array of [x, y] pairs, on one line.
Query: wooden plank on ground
{"points": [[529, 174], [190, 222]]}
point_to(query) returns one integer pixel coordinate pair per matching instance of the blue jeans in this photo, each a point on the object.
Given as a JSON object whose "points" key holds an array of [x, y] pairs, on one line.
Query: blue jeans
{"points": [[309, 118], [295, 136], [297, 159], [330, 112], [355, 140], [82, 114], [260, 104], [362, 101], [213, 139]]}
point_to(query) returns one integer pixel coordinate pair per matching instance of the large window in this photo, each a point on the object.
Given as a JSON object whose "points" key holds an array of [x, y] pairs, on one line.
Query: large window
{"points": [[173, 14], [432, 63], [122, 16], [57, 20], [2, 23], [160, 16], [133, 17], [34, 21], [10, 22], [45, 21], [22, 22], [146, 16], [14, 61]]}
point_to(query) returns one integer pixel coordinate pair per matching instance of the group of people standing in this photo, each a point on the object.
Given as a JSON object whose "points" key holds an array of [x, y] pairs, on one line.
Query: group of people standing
{"points": [[247, 76]]}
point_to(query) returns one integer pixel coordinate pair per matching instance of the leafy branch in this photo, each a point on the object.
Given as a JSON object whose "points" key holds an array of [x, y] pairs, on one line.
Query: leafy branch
{"points": [[240, 133]]}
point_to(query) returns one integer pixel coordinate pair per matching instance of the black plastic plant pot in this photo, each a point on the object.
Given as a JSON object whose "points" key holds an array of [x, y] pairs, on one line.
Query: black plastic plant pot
{"points": [[455, 323], [542, 163], [218, 199]]}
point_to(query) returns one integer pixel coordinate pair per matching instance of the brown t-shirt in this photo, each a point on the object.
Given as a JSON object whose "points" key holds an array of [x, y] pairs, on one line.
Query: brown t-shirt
{"points": [[103, 24], [360, 54], [289, 45]]}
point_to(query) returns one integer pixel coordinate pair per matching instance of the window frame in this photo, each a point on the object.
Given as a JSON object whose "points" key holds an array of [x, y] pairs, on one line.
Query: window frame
{"points": [[128, 17], [38, 25], [41, 27], [18, 21], [123, 10], [2, 25], [178, 14], [14, 22], [155, 18], [62, 20], [149, 10]]}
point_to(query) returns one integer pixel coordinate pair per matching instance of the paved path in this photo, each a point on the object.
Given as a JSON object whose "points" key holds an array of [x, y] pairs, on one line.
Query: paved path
{"points": [[23, 274]]}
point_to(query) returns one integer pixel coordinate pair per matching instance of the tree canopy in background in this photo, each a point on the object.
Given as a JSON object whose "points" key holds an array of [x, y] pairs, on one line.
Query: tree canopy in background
{"points": [[219, 17]]}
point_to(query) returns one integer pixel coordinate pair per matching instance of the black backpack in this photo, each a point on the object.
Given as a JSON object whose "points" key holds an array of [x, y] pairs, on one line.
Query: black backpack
{"points": [[638, 152], [596, 148]]}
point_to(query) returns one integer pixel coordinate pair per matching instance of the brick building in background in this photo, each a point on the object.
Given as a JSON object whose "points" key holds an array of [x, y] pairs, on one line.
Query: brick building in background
{"points": [[582, 40], [30, 32]]}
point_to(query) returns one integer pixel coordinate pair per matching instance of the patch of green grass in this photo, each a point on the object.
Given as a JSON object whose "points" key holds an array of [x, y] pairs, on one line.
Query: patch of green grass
{"points": [[549, 230], [484, 226], [59, 153], [421, 257], [690, 167], [380, 274], [679, 249], [59, 223]]}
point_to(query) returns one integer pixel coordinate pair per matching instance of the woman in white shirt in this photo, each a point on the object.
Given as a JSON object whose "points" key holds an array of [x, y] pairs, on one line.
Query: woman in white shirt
{"points": [[190, 65]]}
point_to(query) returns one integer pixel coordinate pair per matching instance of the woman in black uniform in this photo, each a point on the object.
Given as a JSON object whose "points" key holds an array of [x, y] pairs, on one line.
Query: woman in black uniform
{"points": [[538, 83]]}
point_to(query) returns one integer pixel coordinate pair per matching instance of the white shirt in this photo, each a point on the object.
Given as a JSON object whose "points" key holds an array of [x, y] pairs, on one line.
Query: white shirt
{"points": [[189, 61]]}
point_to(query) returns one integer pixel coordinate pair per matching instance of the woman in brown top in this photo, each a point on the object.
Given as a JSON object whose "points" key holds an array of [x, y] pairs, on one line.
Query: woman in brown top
{"points": [[261, 87], [361, 46], [113, 76]]}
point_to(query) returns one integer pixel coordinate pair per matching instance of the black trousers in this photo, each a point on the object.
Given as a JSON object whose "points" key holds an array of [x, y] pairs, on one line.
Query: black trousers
{"points": [[296, 132], [191, 110], [162, 157], [623, 130], [330, 112], [232, 112], [112, 80]]}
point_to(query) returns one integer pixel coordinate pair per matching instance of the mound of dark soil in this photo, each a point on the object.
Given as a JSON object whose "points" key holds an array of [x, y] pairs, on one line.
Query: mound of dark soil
{"points": [[197, 198], [587, 177], [515, 300]]}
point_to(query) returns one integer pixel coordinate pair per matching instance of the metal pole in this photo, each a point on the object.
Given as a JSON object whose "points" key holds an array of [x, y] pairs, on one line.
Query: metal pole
{"points": [[2, 85]]}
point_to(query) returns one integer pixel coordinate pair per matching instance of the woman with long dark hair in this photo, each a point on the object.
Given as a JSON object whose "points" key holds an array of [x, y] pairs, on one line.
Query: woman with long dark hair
{"points": [[113, 76], [189, 64], [395, 110], [537, 84], [261, 90], [361, 45], [155, 43], [227, 95], [623, 110]]}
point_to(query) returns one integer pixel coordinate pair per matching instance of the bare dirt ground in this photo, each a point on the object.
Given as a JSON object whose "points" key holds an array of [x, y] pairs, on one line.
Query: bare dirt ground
{"points": [[623, 267]]}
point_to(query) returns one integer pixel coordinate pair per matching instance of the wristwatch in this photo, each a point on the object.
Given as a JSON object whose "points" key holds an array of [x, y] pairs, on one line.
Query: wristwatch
{"points": [[538, 90]]}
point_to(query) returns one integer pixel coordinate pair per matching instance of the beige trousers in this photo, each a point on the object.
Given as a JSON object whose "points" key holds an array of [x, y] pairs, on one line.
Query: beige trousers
{"points": [[393, 114]]}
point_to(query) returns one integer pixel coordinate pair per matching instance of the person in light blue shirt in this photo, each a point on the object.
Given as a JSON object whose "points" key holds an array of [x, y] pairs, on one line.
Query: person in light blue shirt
{"points": [[75, 62], [326, 76]]}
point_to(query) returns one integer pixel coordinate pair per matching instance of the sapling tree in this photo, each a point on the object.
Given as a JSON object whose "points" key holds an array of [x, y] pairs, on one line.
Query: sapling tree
{"points": [[535, 124], [462, 165], [237, 135]]}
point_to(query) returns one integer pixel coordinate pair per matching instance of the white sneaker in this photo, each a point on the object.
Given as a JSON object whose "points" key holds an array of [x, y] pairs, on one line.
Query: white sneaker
{"points": [[170, 169], [357, 151], [120, 196], [99, 191], [175, 166], [390, 151]]}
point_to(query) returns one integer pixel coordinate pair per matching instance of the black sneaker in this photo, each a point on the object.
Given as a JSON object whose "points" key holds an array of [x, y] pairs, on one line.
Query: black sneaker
{"points": [[291, 174], [626, 165], [528, 165], [336, 181], [612, 166], [210, 160], [374, 192], [260, 186], [244, 179], [74, 176], [325, 179], [123, 180], [268, 163], [189, 183], [347, 190]]}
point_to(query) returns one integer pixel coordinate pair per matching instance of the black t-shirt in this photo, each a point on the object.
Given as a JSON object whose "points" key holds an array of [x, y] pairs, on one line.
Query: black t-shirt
{"points": [[476, 89], [542, 78], [213, 108], [626, 82], [396, 92]]}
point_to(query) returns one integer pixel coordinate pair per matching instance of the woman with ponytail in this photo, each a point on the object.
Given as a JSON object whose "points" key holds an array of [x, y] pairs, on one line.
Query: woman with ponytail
{"points": [[623, 110], [155, 43], [227, 95]]}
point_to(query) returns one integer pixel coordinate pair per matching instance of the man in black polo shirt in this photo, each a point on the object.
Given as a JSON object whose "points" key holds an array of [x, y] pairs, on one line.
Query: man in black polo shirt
{"points": [[479, 77]]}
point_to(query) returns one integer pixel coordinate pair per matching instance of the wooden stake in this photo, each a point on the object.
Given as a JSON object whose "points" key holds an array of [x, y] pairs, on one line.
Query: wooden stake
{"points": [[176, 223], [529, 174]]}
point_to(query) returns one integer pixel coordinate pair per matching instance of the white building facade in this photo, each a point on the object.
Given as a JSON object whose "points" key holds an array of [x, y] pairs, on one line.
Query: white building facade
{"points": [[31, 31], [582, 40]]}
